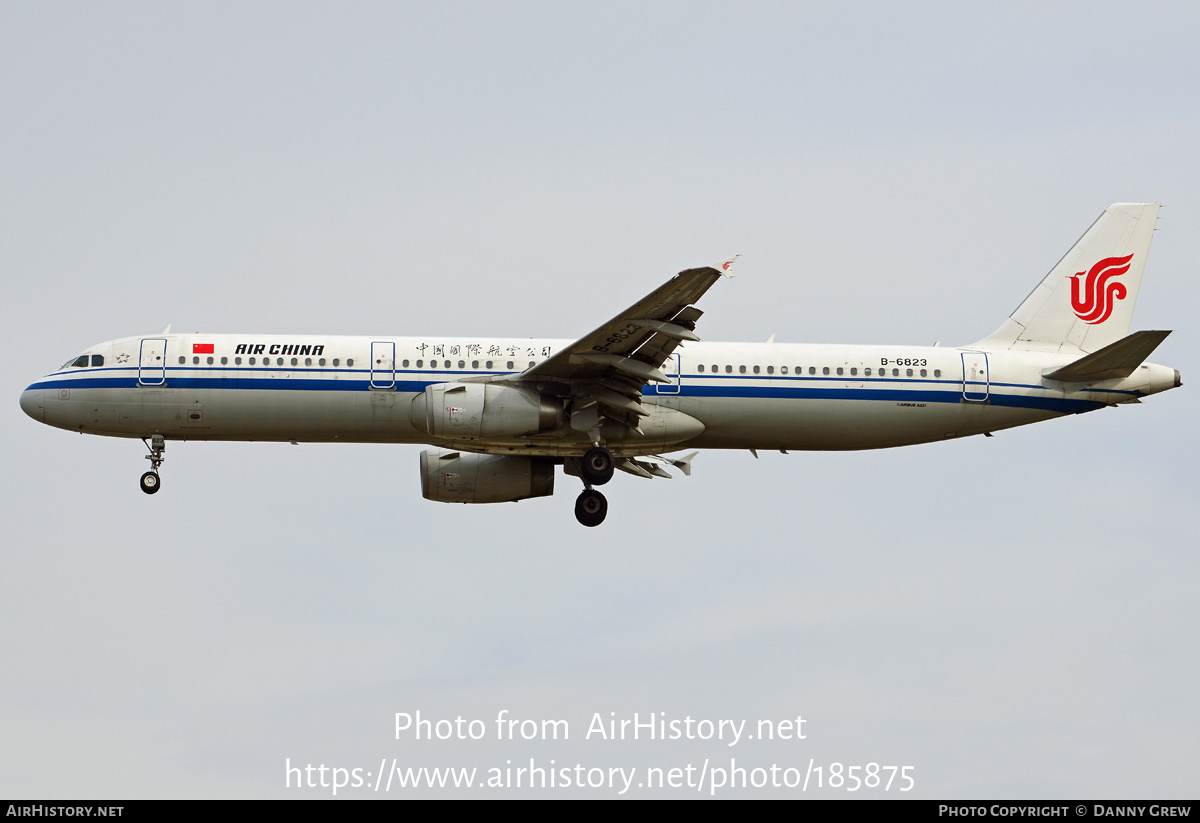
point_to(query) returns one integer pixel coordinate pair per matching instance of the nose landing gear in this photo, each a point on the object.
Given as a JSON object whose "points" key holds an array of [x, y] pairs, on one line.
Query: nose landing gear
{"points": [[151, 482]]}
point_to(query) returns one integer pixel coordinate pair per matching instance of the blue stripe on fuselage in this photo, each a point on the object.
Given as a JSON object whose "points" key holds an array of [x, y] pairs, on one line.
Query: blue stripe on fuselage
{"points": [[944, 394]]}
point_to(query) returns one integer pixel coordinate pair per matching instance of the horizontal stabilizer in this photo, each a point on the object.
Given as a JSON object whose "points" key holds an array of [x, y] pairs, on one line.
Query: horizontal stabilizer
{"points": [[1113, 362]]}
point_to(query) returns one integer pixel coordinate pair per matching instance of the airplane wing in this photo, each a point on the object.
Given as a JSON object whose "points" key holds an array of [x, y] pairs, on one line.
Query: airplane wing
{"points": [[610, 365]]}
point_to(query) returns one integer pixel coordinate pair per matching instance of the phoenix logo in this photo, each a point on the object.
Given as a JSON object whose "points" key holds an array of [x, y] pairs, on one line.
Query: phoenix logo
{"points": [[1093, 295]]}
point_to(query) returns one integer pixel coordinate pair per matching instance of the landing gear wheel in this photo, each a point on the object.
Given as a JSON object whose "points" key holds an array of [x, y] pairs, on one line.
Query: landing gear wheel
{"points": [[591, 507], [597, 466], [151, 482]]}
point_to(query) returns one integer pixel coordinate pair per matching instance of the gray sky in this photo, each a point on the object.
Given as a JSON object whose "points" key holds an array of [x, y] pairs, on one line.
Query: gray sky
{"points": [[1013, 617]]}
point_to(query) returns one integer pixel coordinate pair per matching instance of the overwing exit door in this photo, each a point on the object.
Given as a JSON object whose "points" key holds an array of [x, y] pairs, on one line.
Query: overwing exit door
{"points": [[383, 365]]}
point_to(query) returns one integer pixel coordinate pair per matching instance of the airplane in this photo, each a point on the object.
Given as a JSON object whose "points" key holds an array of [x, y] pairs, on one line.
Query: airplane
{"points": [[502, 414]]}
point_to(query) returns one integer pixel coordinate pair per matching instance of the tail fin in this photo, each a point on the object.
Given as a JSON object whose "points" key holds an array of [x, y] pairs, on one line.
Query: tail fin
{"points": [[1086, 301]]}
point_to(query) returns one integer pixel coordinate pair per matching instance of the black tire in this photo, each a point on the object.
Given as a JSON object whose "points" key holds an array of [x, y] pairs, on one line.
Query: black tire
{"points": [[151, 482], [591, 507], [597, 466]]}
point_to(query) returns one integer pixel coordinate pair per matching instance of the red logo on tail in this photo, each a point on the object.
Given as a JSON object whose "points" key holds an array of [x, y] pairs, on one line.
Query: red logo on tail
{"points": [[1093, 296]]}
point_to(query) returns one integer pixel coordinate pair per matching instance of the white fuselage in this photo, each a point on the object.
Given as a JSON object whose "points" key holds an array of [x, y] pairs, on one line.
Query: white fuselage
{"points": [[326, 388]]}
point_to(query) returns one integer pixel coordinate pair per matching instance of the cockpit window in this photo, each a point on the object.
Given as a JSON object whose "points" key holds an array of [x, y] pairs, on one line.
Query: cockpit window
{"points": [[76, 362], [97, 360]]}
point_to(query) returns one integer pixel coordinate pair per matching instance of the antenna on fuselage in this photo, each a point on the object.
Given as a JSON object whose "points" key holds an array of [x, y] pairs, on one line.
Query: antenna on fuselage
{"points": [[167, 330]]}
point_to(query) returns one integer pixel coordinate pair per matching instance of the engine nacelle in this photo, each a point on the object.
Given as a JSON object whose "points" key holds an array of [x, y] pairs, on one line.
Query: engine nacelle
{"points": [[473, 411], [462, 477]]}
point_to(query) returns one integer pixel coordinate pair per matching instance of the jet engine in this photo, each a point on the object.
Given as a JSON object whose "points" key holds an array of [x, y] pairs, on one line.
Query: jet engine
{"points": [[470, 411], [462, 477]]}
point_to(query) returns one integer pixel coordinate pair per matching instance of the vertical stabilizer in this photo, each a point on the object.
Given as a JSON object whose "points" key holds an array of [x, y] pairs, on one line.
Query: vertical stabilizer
{"points": [[1086, 301]]}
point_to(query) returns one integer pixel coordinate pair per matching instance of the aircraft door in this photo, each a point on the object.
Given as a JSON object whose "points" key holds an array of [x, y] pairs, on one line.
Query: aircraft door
{"points": [[670, 369], [975, 376], [152, 362], [383, 365]]}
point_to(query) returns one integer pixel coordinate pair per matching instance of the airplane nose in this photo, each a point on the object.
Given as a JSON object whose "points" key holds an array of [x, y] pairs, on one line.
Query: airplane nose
{"points": [[33, 404]]}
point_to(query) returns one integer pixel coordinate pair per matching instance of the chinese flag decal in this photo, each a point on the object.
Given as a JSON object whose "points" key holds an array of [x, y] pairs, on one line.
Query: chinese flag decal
{"points": [[202, 348]]}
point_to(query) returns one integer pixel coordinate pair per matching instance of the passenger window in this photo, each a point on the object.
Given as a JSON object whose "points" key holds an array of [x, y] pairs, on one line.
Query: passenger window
{"points": [[433, 364], [474, 364], [251, 361], [813, 369], [937, 372], [783, 369], [908, 372], [531, 364], [182, 360], [895, 372], [853, 371], [321, 362], [923, 372], [97, 360], [756, 370], [700, 368], [278, 361], [210, 361], [510, 364], [489, 364], [867, 372], [349, 362], [224, 361], [336, 361], [195, 361], [741, 369], [237, 361], [839, 369], [825, 370], [462, 364], [770, 369], [729, 369], [295, 361]]}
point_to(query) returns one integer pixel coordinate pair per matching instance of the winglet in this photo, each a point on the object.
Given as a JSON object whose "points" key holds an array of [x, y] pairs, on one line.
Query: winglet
{"points": [[684, 464], [726, 265]]}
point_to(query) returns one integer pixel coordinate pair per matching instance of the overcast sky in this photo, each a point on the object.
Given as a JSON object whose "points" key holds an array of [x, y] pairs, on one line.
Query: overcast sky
{"points": [[1011, 617]]}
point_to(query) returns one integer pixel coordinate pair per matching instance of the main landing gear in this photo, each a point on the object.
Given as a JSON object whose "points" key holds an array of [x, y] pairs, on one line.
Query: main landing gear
{"points": [[151, 482], [596, 468], [591, 507]]}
